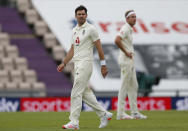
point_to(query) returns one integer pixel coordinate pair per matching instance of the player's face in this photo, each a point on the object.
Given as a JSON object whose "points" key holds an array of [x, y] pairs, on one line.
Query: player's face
{"points": [[132, 20], [81, 17]]}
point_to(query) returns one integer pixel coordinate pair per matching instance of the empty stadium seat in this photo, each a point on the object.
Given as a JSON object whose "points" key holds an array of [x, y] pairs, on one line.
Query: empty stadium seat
{"points": [[12, 51], [23, 5], [58, 53], [4, 76], [2, 53], [40, 28], [24, 86], [4, 39], [30, 76], [7, 63], [31, 16], [49, 40], [38, 86], [11, 86], [21, 63], [2, 86], [16, 76]]}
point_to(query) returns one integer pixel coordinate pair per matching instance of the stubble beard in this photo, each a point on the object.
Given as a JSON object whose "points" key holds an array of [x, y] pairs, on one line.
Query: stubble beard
{"points": [[81, 22]]}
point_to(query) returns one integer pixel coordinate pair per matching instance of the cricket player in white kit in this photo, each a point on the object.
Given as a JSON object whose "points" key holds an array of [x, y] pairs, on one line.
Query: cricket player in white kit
{"points": [[84, 38], [129, 84]]}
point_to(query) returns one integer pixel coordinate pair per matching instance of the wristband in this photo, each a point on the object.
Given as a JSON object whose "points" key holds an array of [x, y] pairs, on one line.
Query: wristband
{"points": [[103, 62]]}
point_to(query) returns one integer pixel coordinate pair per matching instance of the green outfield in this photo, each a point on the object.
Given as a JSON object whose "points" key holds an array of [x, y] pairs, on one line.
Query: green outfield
{"points": [[52, 121]]}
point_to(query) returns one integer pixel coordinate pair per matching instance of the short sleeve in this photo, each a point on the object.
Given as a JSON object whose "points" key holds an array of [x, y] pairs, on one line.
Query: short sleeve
{"points": [[123, 32], [94, 34], [72, 40]]}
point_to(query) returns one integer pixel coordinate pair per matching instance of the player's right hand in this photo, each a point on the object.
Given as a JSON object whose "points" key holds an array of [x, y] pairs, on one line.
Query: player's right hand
{"points": [[61, 67], [129, 54], [104, 71]]}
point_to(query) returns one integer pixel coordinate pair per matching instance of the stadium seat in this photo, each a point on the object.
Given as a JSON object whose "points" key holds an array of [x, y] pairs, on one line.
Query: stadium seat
{"points": [[58, 53], [38, 86], [31, 16], [21, 63], [16, 76], [24, 86], [2, 86], [23, 5], [49, 40], [12, 51], [11, 86], [4, 39], [7, 63], [2, 53], [30, 76], [40, 28], [4, 76]]}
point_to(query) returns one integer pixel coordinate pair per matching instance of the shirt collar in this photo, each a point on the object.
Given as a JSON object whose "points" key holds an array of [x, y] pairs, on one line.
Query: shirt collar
{"points": [[82, 26], [129, 26]]}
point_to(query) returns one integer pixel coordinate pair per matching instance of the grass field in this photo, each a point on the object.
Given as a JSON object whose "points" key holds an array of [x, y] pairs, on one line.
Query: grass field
{"points": [[52, 121]]}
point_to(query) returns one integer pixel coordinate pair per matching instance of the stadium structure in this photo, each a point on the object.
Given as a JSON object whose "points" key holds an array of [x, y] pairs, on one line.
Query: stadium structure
{"points": [[35, 35]]}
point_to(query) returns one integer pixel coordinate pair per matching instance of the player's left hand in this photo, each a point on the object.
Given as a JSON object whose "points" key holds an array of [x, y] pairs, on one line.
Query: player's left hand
{"points": [[104, 71], [61, 67]]}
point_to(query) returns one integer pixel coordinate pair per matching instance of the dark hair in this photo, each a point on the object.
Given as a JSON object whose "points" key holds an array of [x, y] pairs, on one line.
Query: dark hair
{"points": [[127, 12], [81, 7]]}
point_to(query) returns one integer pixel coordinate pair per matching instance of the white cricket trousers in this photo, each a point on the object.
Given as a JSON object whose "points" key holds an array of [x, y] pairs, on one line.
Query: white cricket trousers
{"points": [[129, 86], [81, 91]]}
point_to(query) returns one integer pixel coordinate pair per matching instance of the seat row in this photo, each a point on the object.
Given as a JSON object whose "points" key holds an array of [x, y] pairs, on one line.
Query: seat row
{"points": [[18, 76], [41, 29]]}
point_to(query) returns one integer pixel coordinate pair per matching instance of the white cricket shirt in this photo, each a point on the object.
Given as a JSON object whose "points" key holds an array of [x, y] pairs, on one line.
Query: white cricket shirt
{"points": [[82, 39], [126, 34]]}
